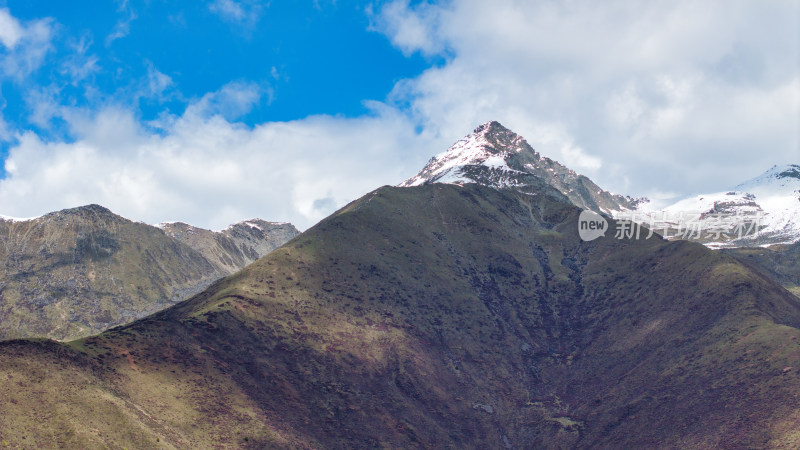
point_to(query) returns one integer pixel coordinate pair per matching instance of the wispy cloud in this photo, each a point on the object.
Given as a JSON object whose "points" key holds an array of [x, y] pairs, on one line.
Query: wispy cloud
{"points": [[80, 63], [26, 45], [228, 9], [156, 83], [5, 131], [410, 28], [123, 26], [231, 102], [244, 13]]}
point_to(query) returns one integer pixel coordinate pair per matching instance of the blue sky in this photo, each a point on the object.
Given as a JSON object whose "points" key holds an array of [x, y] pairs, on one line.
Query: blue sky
{"points": [[215, 111], [298, 57]]}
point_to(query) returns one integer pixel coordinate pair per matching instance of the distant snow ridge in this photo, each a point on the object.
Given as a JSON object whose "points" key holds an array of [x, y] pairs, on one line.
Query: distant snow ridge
{"points": [[771, 201], [497, 157], [776, 193]]}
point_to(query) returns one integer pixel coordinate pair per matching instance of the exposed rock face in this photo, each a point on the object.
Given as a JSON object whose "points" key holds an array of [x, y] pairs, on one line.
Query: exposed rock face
{"points": [[235, 247]]}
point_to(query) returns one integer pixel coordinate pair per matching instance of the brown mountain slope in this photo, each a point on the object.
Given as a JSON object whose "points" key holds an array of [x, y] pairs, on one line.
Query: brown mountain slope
{"points": [[436, 316], [80, 271]]}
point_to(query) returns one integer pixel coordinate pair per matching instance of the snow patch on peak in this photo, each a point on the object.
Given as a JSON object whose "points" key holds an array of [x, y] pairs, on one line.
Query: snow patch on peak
{"points": [[164, 225], [255, 223], [475, 149]]}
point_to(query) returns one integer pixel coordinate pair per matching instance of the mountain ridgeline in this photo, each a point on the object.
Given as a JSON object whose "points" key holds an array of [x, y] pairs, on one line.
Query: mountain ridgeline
{"points": [[235, 247], [766, 207], [77, 272], [435, 316], [778, 262]]}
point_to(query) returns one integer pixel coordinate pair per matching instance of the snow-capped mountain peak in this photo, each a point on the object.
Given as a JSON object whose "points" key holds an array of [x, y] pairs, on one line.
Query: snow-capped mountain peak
{"points": [[779, 179], [497, 157], [489, 145]]}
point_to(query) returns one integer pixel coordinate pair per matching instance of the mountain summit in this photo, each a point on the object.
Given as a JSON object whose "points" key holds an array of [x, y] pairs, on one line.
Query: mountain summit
{"points": [[497, 157], [783, 179]]}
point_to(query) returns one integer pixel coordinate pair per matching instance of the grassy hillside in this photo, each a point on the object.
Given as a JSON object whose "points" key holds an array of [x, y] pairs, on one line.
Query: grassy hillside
{"points": [[436, 316]]}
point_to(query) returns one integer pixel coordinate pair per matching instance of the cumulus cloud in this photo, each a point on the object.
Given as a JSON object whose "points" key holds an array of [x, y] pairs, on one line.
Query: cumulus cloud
{"points": [[207, 170], [411, 29], [665, 94]]}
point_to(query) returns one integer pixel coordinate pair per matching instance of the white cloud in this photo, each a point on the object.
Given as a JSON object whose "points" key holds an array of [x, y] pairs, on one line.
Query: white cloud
{"points": [[26, 44], [207, 170], [43, 105], [656, 98], [410, 28], [672, 94], [232, 101], [80, 64], [10, 29], [228, 9], [156, 84], [5, 132], [121, 29]]}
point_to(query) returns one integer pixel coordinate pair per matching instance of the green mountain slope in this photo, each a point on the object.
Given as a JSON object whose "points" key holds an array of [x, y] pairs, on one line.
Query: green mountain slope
{"points": [[435, 316]]}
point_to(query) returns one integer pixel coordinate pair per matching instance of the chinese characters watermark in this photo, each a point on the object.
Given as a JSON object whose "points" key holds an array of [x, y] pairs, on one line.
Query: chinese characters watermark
{"points": [[690, 225]]}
